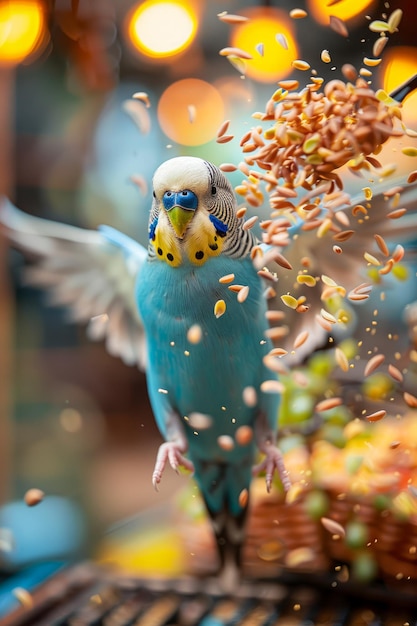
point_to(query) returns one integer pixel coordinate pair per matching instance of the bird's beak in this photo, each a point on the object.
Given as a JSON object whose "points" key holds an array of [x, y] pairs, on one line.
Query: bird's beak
{"points": [[180, 207]]}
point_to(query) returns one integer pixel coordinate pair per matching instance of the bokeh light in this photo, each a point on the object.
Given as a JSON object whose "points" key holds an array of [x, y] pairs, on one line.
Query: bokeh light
{"points": [[22, 27], [400, 64], [263, 26], [161, 29], [190, 111], [321, 10]]}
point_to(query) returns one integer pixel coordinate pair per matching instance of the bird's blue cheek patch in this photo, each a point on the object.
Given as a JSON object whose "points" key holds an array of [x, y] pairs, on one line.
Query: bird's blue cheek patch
{"points": [[221, 227], [152, 228]]}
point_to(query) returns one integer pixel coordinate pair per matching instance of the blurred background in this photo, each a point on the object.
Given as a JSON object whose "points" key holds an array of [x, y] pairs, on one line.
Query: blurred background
{"points": [[75, 147]]}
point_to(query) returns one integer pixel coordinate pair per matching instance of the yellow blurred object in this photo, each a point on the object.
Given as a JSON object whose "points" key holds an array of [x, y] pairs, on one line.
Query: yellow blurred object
{"points": [[398, 65], [160, 29], [22, 26], [156, 551], [269, 37], [321, 10]]}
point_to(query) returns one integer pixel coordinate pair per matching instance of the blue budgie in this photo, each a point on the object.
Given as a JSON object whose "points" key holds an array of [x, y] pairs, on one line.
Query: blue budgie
{"points": [[192, 311]]}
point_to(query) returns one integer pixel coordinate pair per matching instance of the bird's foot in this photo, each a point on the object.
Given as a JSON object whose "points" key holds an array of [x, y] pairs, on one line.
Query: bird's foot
{"points": [[273, 461], [173, 453]]}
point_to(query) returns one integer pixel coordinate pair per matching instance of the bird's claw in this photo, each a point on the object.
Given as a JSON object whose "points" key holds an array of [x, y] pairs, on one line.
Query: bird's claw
{"points": [[171, 452], [273, 461]]}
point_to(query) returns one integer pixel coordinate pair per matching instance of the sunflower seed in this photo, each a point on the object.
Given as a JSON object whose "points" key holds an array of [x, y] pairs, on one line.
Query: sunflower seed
{"points": [[373, 363]]}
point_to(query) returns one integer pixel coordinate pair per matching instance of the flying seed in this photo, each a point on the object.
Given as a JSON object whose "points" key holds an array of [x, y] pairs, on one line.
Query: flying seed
{"points": [[138, 114], [143, 97], [235, 288], [289, 85], [306, 279], [200, 421], [398, 253], [371, 62], [243, 498], [23, 596], [278, 352], [244, 434], [370, 258], [410, 400], [349, 72], [379, 26], [241, 212], [328, 316], [412, 177], [223, 128], [282, 40], [328, 403], [301, 339], [224, 138], [297, 14], [344, 235], [33, 496], [394, 20], [338, 26], [260, 49], [235, 52], [333, 527], [194, 334], [341, 360], [274, 316], [219, 308], [325, 56], [272, 386], [396, 214], [299, 556], [192, 111], [282, 261], [164, 391], [227, 167], [379, 46], [373, 363], [382, 245], [337, 249], [289, 301], [409, 151], [243, 294], [227, 278], [395, 373], [294, 492], [225, 442], [325, 325], [299, 64], [376, 416], [229, 18], [250, 222]]}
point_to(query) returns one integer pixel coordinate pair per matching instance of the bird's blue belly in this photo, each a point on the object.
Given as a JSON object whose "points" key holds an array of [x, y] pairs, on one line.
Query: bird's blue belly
{"points": [[203, 382]]}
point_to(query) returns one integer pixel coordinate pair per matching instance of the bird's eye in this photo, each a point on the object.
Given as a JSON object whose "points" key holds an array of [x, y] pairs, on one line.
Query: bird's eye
{"points": [[168, 193], [213, 190], [154, 194]]}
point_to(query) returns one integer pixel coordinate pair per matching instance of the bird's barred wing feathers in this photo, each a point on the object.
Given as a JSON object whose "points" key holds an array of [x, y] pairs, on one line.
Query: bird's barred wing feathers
{"points": [[91, 273]]}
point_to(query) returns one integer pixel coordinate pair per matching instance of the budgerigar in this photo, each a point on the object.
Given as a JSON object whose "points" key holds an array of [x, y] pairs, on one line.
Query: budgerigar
{"points": [[175, 309]]}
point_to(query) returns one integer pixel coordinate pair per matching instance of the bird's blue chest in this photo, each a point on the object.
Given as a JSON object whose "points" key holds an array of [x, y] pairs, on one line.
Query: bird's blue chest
{"points": [[208, 376]]}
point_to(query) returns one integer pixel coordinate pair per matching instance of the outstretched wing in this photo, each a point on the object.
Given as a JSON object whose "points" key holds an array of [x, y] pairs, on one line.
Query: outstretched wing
{"points": [[92, 273], [312, 252]]}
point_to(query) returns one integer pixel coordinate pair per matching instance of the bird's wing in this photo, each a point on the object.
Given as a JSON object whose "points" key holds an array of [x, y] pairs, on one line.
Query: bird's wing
{"points": [[91, 273], [314, 255]]}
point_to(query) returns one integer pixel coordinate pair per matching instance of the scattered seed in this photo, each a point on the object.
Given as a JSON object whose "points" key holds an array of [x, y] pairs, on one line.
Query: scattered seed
{"points": [[289, 85], [243, 498], [398, 253], [328, 317], [394, 20], [33, 496], [250, 222], [306, 279], [23, 596], [229, 18], [301, 339], [349, 72], [282, 40], [260, 49], [225, 442], [223, 128], [410, 151], [298, 64], [289, 301], [337, 249], [192, 111], [243, 294], [228, 167], [244, 434], [373, 363], [396, 214], [367, 191], [224, 138], [382, 245], [195, 334], [344, 235], [227, 278], [282, 261], [299, 556], [338, 26], [297, 14], [235, 52], [370, 258], [219, 308], [143, 97], [241, 212], [395, 373], [379, 26], [333, 527], [199, 421], [294, 493], [371, 62], [410, 400], [325, 56], [376, 416], [328, 403], [138, 114], [341, 360], [272, 386]]}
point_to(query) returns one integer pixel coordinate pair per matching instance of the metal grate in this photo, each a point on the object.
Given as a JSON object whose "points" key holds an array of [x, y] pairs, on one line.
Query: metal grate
{"points": [[84, 596]]}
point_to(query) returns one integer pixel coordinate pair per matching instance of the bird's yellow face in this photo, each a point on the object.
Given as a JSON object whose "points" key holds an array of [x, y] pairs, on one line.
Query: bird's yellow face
{"points": [[182, 226]]}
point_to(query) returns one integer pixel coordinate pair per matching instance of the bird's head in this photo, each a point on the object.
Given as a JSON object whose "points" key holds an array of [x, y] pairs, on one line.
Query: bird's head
{"points": [[193, 212]]}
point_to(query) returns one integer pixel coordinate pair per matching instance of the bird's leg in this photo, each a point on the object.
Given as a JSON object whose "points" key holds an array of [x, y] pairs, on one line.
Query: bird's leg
{"points": [[266, 440], [172, 451]]}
